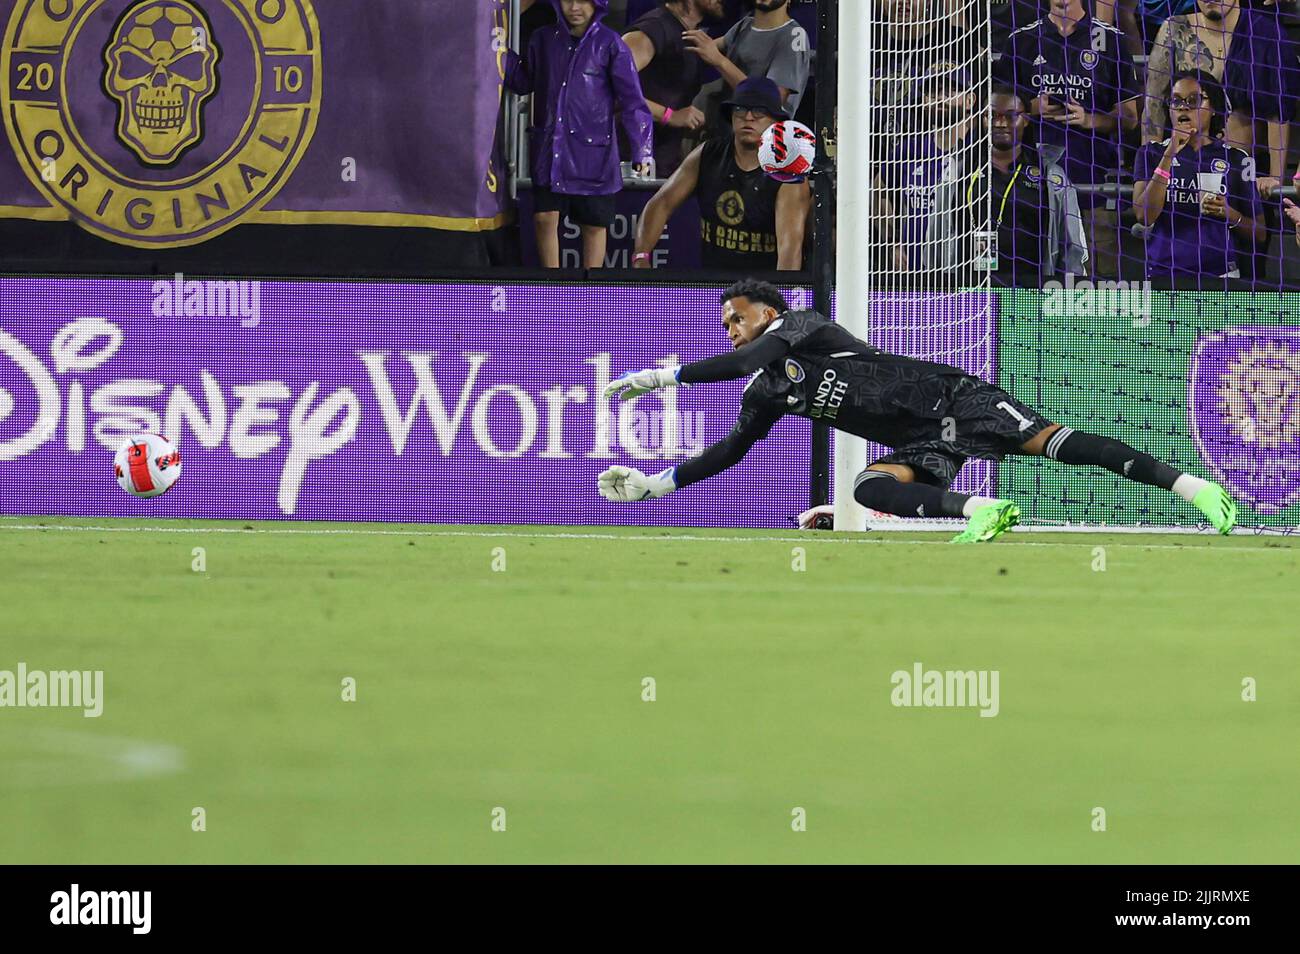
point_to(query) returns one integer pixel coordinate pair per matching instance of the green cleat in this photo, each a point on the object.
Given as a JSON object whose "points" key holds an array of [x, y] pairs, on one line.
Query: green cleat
{"points": [[1218, 506], [989, 522]]}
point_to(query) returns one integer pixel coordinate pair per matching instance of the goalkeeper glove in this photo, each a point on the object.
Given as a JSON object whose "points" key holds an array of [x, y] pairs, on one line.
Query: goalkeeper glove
{"points": [[636, 383], [625, 484]]}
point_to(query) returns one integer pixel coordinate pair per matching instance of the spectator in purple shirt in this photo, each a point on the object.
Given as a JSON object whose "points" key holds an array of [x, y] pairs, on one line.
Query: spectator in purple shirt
{"points": [[1248, 53], [1192, 192], [1118, 13], [581, 75]]}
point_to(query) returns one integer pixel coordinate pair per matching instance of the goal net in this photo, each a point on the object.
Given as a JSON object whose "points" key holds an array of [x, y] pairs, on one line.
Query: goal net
{"points": [[1001, 235]]}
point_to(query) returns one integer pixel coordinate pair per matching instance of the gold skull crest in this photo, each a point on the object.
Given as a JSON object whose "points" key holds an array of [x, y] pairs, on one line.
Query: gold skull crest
{"points": [[162, 67]]}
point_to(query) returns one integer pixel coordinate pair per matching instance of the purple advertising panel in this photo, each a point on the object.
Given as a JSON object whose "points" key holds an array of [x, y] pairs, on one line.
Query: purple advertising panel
{"points": [[351, 401]]}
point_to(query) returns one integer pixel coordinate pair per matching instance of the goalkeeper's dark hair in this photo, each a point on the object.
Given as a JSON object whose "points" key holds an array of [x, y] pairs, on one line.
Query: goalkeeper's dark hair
{"points": [[1214, 92], [763, 293]]}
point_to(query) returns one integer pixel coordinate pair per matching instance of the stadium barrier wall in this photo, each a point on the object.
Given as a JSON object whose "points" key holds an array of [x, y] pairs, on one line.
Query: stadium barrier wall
{"points": [[478, 403], [677, 248], [353, 401]]}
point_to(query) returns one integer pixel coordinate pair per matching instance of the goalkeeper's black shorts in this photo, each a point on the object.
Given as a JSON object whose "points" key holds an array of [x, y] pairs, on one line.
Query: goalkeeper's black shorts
{"points": [[978, 420]]}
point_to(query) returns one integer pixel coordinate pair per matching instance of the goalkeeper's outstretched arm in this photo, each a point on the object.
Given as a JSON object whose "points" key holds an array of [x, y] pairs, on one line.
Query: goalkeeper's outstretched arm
{"points": [[744, 361], [625, 484], [750, 428]]}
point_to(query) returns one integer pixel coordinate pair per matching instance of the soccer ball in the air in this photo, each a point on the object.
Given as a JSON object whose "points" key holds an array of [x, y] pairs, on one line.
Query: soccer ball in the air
{"points": [[147, 465], [788, 151]]}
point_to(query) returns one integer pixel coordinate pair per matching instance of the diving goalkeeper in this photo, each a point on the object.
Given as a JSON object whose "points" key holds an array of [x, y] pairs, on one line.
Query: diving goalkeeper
{"points": [[933, 415]]}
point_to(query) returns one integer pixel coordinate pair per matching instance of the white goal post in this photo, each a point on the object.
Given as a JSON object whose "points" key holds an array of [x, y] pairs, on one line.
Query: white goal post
{"points": [[910, 100], [853, 228]]}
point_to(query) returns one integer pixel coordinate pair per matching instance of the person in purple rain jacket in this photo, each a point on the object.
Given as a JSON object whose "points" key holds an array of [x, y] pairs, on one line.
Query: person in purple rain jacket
{"points": [[582, 75]]}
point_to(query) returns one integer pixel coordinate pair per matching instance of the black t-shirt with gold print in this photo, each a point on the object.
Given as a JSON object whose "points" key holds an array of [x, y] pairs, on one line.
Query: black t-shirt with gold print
{"points": [[737, 212]]}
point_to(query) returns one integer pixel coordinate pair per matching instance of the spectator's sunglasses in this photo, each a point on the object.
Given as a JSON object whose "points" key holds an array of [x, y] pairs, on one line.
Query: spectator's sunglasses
{"points": [[748, 112], [1010, 115], [1190, 102]]}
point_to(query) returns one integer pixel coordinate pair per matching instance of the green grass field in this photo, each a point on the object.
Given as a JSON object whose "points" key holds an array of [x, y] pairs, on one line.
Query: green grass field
{"points": [[522, 689]]}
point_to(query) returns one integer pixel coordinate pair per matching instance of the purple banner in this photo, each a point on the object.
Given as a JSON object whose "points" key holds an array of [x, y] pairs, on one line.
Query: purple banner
{"points": [[1244, 396], [439, 403], [163, 123]]}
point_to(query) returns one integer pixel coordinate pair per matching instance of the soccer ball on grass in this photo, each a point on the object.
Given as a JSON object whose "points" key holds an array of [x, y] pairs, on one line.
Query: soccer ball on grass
{"points": [[147, 465]]}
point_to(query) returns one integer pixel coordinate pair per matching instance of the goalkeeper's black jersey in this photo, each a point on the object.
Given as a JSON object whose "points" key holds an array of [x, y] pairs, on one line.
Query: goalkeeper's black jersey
{"points": [[811, 367]]}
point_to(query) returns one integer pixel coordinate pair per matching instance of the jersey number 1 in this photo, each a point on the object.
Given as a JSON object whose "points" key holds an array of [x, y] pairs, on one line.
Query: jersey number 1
{"points": [[1025, 423]]}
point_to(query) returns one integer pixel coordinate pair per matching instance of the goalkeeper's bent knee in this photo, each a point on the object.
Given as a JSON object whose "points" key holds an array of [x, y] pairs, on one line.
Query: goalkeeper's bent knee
{"points": [[878, 490]]}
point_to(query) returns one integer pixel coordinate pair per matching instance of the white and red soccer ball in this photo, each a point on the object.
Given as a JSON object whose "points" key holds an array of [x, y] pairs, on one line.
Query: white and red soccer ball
{"points": [[147, 465], [788, 151]]}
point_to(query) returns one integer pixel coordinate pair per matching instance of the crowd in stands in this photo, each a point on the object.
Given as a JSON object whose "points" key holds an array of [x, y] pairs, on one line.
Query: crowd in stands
{"points": [[681, 90], [1120, 139], [1137, 139]]}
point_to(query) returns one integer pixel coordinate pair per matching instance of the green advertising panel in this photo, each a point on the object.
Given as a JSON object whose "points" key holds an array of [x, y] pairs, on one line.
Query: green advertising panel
{"points": [[1208, 381]]}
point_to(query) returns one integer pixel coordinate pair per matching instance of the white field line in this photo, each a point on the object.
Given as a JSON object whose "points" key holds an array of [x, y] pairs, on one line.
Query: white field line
{"points": [[796, 536], [914, 525]]}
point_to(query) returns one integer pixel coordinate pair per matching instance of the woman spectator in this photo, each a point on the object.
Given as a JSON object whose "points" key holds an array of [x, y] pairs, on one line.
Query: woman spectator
{"points": [[1192, 191], [1248, 53]]}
